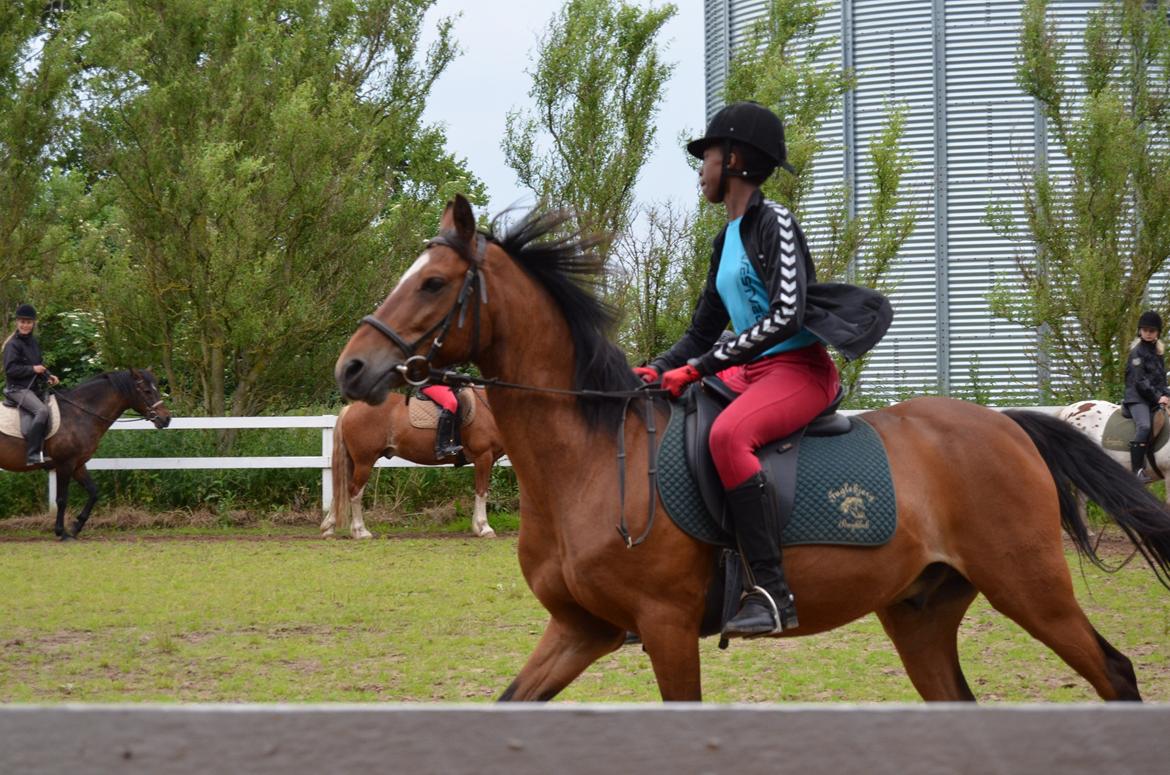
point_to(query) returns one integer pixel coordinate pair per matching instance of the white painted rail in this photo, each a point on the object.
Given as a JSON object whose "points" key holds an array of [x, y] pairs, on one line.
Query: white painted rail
{"points": [[322, 462]]}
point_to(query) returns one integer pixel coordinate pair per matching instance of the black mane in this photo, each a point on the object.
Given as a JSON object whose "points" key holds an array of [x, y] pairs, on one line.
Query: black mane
{"points": [[121, 381], [566, 265]]}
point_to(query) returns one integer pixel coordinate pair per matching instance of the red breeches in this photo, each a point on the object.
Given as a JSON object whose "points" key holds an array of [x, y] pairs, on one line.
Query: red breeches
{"points": [[778, 395]]}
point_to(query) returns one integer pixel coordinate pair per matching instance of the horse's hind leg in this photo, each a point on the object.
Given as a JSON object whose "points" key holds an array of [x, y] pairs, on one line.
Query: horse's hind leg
{"points": [[924, 627], [565, 650], [82, 476], [1042, 602], [357, 488], [483, 477]]}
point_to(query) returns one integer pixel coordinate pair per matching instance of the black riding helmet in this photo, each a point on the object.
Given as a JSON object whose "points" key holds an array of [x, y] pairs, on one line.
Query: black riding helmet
{"points": [[1150, 319], [749, 123], [26, 311]]}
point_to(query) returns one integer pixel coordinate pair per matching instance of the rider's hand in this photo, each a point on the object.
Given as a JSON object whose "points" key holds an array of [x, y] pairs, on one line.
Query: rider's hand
{"points": [[676, 379], [647, 374], [53, 380], [1164, 400], [39, 369]]}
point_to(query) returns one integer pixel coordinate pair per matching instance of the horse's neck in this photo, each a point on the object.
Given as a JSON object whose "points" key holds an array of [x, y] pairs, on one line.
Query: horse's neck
{"points": [[103, 402], [538, 429]]}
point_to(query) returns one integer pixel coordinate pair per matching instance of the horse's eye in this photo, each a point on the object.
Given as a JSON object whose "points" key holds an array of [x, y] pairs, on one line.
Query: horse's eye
{"points": [[434, 284]]}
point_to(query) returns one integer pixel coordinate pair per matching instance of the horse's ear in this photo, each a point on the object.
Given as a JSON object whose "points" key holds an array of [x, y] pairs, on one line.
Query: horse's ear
{"points": [[459, 218]]}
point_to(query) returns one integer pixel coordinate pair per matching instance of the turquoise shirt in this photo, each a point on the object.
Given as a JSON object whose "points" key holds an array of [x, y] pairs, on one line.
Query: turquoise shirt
{"points": [[744, 294]]}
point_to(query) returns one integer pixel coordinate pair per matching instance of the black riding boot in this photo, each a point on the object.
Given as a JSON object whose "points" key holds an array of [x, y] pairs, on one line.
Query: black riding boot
{"points": [[447, 435], [1137, 459], [767, 605], [35, 444]]}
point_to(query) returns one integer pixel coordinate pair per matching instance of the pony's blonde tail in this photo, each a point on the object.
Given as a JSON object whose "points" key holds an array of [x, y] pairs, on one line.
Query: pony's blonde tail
{"points": [[342, 476]]}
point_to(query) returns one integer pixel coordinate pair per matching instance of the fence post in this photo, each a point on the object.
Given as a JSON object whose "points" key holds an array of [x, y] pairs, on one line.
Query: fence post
{"points": [[327, 471]]}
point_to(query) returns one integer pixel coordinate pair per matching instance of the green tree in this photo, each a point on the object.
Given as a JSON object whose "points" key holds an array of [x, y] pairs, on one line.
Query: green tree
{"points": [[263, 172], [596, 91], [35, 68], [778, 66], [1092, 238], [657, 279]]}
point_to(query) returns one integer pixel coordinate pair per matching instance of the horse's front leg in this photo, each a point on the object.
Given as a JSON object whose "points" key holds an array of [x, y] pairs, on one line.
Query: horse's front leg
{"points": [[568, 646], [82, 476], [483, 477], [63, 472]]}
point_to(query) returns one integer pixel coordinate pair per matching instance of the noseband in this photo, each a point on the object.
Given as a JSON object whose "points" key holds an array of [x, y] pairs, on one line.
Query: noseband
{"points": [[416, 369], [151, 414]]}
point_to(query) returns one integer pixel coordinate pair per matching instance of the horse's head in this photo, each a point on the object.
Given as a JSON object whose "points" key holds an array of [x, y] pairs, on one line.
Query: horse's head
{"points": [[147, 400], [431, 318]]}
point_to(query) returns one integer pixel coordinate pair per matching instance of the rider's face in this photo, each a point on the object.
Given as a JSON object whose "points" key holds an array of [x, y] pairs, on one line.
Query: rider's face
{"points": [[709, 173], [1148, 334], [25, 325]]}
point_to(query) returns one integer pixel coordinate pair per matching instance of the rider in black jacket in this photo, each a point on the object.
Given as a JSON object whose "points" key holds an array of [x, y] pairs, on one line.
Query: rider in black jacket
{"points": [[26, 379], [1145, 386]]}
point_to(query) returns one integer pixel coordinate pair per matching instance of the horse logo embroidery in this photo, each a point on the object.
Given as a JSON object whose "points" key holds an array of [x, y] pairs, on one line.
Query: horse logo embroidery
{"points": [[851, 500]]}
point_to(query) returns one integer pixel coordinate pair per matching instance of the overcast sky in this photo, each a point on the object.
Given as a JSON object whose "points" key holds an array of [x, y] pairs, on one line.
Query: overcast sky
{"points": [[488, 79]]}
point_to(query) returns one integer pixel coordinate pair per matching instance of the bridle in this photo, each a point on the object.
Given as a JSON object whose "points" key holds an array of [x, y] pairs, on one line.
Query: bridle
{"points": [[416, 369]]}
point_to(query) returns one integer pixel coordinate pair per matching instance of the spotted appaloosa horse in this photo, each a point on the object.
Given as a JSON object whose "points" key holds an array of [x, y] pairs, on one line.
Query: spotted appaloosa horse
{"points": [[364, 433], [981, 516], [1090, 418]]}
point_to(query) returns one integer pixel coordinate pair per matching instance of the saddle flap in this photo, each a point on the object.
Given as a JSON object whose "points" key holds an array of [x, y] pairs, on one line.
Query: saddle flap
{"points": [[779, 457], [14, 422]]}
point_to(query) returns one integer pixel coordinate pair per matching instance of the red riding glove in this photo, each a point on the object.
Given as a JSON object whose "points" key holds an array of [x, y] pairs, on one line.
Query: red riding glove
{"points": [[676, 379], [647, 374]]}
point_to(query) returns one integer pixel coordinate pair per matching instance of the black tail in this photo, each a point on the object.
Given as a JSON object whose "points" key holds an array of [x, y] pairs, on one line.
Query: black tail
{"points": [[1077, 462]]}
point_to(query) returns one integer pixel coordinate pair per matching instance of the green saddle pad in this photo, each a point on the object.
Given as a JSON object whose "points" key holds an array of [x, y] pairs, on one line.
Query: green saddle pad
{"points": [[844, 492], [1120, 430]]}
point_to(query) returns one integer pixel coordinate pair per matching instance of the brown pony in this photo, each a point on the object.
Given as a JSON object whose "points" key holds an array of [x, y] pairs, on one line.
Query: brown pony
{"points": [[981, 495], [87, 412], [364, 433]]}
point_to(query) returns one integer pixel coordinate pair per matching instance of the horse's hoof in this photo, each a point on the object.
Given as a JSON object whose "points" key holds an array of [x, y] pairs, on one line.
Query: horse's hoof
{"points": [[489, 533], [66, 537], [363, 534]]}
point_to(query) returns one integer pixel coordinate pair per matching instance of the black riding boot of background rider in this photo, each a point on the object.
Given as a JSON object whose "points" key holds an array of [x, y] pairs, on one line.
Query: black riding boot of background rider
{"points": [[35, 442], [447, 441], [1137, 459], [768, 605]]}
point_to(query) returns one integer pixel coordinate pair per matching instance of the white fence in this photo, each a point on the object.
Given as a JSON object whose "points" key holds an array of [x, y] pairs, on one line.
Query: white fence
{"points": [[321, 462]]}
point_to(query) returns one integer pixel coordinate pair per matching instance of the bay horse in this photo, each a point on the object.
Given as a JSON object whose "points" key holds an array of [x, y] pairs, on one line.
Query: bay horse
{"points": [[364, 433], [87, 412], [981, 495]]}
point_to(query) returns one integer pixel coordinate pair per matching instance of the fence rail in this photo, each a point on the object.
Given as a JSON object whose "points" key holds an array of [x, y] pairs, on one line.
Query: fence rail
{"points": [[322, 462]]}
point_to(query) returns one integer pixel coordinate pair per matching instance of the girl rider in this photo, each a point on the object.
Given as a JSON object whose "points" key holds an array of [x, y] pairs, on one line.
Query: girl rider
{"points": [[26, 379], [1145, 386], [763, 282]]}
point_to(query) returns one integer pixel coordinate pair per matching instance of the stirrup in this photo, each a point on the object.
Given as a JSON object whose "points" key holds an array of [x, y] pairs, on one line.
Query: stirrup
{"points": [[780, 622], [784, 621]]}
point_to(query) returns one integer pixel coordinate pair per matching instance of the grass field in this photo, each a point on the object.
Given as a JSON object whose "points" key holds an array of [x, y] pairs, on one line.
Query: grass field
{"points": [[247, 617]]}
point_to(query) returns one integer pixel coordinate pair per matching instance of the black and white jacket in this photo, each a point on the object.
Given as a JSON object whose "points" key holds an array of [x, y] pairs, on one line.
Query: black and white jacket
{"points": [[851, 318]]}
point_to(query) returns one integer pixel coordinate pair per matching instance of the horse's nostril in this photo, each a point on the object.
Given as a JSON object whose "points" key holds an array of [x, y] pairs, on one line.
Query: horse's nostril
{"points": [[353, 368]]}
